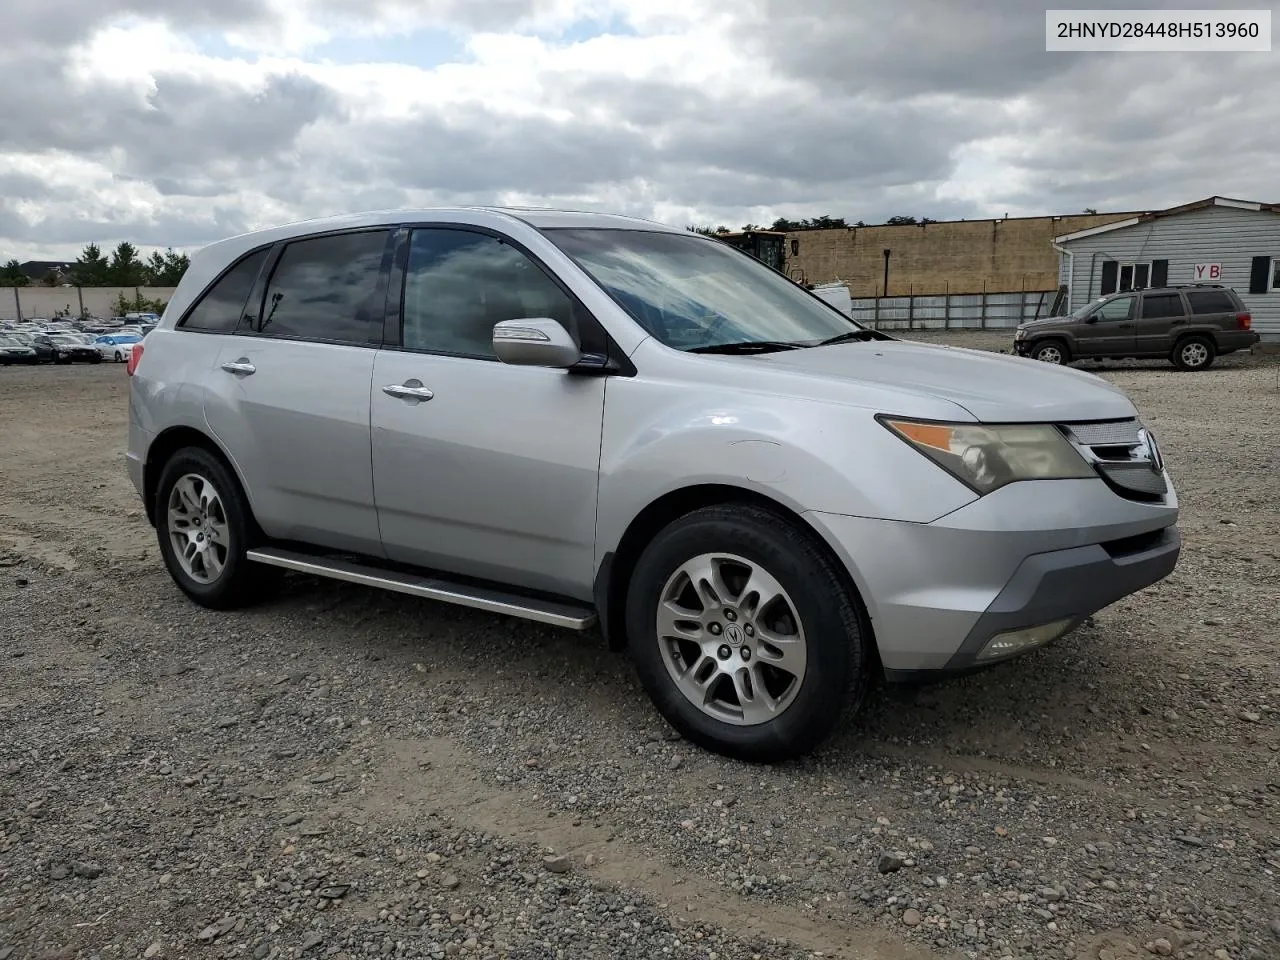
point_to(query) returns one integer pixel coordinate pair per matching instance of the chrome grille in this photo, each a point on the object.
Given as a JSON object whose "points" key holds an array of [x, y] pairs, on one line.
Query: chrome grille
{"points": [[1116, 433], [1117, 451]]}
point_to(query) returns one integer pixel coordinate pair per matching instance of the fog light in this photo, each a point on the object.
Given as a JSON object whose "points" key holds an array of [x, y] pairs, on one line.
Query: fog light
{"points": [[1011, 642]]}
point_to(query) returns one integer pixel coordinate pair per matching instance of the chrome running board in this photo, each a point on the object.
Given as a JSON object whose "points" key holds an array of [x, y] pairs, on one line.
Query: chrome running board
{"points": [[489, 599]]}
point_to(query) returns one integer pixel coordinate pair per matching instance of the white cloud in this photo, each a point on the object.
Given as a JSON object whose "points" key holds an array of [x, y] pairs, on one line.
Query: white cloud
{"points": [[171, 122]]}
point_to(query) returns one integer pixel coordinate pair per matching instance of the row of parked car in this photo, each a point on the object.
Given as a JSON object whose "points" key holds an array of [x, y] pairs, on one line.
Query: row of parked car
{"points": [[34, 342]]}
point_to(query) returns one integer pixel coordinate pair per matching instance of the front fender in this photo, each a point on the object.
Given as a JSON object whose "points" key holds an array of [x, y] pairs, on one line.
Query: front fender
{"points": [[804, 454]]}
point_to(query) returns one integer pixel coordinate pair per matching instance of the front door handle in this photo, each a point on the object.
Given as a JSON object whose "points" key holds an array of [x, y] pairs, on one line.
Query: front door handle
{"points": [[241, 367], [411, 390]]}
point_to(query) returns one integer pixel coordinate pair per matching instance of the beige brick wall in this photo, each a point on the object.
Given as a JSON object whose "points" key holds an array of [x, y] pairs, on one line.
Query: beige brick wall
{"points": [[955, 256]]}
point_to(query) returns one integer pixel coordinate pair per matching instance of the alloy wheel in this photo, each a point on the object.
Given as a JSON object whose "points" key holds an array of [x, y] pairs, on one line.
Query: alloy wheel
{"points": [[1194, 354], [198, 528], [731, 639], [1049, 354]]}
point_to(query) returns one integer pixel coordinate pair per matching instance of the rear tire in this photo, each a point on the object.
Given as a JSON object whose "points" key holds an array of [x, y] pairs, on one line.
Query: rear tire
{"points": [[1194, 353], [1052, 351], [204, 527], [762, 656]]}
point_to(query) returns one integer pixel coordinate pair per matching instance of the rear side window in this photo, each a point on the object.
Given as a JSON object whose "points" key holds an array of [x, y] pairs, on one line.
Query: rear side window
{"points": [[1162, 305], [1210, 301], [327, 288], [218, 311]]}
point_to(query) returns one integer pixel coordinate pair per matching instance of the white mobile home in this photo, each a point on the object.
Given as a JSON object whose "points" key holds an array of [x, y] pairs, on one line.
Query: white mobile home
{"points": [[1232, 242]]}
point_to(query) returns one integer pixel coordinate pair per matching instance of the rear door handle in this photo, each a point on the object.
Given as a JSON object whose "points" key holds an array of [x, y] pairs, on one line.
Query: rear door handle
{"points": [[241, 367], [1177, 323], [411, 390]]}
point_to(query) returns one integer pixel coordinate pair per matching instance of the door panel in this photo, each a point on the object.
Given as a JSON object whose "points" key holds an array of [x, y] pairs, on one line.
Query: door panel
{"points": [[298, 428], [289, 392], [1111, 334], [495, 475], [1162, 314]]}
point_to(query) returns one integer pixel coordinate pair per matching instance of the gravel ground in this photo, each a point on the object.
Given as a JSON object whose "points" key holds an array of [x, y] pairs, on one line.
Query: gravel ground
{"points": [[347, 773]]}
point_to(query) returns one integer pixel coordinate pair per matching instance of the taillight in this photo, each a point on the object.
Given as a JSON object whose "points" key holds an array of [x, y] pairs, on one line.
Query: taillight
{"points": [[134, 356], [1244, 321]]}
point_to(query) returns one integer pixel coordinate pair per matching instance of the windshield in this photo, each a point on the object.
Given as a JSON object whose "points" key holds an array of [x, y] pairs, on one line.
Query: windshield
{"points": [[691, 292]]}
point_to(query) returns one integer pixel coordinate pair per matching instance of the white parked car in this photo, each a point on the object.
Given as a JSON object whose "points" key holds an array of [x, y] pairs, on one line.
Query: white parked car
{"points": [[117, 346]]}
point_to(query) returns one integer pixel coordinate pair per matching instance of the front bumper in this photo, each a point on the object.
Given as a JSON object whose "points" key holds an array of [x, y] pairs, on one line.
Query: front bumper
{"points": [[1041, 554]]}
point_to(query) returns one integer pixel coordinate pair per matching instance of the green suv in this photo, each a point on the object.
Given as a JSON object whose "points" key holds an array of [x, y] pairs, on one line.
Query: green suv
{"points": [[1189, 325]]}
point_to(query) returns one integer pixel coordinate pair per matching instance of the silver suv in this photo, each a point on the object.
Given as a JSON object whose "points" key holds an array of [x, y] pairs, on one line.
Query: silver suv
{"points": [[596, 421]]}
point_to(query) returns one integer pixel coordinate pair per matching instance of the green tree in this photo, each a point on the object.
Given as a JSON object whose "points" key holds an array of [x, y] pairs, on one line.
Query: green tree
{"points": [[166, 269], [900, 221], [52, 278], [137, 304], [11, 275], [90, 268], [812, 223], [709, 231], [125, 270]]}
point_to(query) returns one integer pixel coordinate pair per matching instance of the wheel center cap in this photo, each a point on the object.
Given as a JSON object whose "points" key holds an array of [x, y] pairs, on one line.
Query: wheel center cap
{"points": [[733, 634]]}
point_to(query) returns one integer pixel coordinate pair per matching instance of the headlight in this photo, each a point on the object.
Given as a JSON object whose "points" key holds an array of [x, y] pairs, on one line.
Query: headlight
{"points": [[1019, 334], [987, 458]]}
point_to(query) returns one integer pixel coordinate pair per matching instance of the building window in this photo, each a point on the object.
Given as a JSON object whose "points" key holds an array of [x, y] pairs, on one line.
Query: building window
{"points": [[1275, 274], [1135, 276]]}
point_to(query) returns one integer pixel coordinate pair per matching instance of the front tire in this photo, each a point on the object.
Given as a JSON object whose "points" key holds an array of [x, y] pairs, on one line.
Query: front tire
{"points": [[1194, 353], [1052, 351], [204, 527], [745, 635], [119, 357]]}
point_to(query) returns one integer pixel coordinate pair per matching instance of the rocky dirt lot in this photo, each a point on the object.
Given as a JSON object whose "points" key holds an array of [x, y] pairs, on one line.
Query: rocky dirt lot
{"points": [[346, 773]]}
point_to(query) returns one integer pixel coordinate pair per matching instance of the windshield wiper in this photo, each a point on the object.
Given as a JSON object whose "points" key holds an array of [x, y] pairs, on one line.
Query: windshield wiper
{"points": [[848, 337], [747, 346]]}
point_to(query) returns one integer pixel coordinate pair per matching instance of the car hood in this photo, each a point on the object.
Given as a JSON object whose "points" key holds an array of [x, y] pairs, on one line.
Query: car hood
{"points": [[993, 387], [1045, 322]]}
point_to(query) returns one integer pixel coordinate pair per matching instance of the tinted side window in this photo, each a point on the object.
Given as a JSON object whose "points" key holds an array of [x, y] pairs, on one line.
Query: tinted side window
{"points": [[458, 284], [218, 311], [1162, 305], [1118, 309], [1210, 301], [326, 288]]}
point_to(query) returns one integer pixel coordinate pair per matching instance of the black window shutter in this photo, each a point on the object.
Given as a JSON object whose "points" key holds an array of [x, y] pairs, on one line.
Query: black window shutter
{"points": [[1110, 277], [1159, 273], [1258, 275]]}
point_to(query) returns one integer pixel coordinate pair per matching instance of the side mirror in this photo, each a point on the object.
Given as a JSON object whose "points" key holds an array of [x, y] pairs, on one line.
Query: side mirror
{"points": [[537, 342], [1092, 318]]}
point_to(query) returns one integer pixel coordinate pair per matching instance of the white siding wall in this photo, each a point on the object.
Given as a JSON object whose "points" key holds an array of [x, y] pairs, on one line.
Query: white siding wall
{"points": [[1222, 235]]}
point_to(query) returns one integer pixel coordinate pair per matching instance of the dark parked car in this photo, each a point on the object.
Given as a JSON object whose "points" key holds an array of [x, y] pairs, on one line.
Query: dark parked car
{"points": [[44, 352], [13, 350], [1188, 325], [70, 348]]}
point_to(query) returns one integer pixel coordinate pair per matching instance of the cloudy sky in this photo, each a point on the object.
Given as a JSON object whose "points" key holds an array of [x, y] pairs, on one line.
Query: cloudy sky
{"points": [[175, 122]]}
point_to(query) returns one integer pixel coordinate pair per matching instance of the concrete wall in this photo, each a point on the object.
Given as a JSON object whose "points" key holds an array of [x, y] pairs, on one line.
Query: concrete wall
{"points": [[951, 257], [46, 301], [1225, 235]]}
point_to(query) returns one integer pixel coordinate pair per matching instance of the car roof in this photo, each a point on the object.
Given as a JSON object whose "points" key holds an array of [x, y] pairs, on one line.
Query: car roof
{"points": [[540, 218], [207, 262]]}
